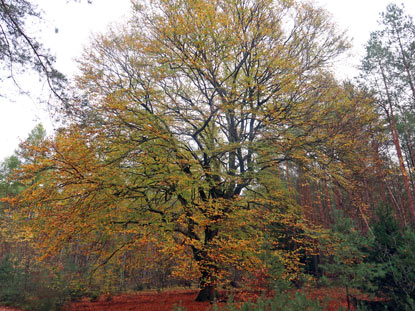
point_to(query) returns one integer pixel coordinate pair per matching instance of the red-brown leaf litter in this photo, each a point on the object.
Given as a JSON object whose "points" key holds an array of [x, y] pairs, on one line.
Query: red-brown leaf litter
{"points": [[333, 298], [146, 301], [164, 301]]}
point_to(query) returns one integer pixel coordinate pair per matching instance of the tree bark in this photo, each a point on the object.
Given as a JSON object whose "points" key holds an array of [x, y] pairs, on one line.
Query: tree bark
{"points": [[320, 205], [208, 269], [208, 291], [406, 65], [395, 137]]}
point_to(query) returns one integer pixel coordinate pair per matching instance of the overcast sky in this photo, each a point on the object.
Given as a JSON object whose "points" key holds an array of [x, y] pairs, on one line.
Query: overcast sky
{"points": [[76, 21]]}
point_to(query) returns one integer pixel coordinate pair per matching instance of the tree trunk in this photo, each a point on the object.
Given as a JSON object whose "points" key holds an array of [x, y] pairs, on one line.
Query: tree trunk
{"points": [[208, 291], [320, 206], [399, 214], [207, 284], [395, 138], [411, 158], [380, 172], [407, 67], [405, 178], [208, 269]]}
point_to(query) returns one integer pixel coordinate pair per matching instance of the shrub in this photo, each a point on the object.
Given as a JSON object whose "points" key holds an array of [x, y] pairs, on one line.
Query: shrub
{"points": [[392, 250], [381, 264], [282, 301]]}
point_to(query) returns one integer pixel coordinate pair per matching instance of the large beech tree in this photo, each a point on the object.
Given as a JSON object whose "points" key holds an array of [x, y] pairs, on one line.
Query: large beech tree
{"points": [[185, 120]]}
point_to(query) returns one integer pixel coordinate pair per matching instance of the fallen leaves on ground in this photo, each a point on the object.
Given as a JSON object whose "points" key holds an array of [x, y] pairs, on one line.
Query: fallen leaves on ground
{"points": [[334, 298]]}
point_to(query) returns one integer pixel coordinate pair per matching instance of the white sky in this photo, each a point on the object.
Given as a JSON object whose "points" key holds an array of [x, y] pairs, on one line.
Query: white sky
{"points": [[76, 21]]}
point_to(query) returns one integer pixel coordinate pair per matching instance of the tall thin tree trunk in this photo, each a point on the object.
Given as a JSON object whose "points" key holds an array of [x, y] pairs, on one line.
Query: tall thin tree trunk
{"points": [[337, 197], [362, 213], [395, 137], [411, 153], [407, 68], [381, 173], [400, 214], [320, 205], [328, 209], [404, 173]]}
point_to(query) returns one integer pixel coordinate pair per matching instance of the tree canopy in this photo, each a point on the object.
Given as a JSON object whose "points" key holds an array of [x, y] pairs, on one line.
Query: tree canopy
{"points": [[187, 118]]}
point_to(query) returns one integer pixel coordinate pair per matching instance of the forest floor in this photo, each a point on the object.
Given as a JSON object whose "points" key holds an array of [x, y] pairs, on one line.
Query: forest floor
{"points": [[333, 298]]}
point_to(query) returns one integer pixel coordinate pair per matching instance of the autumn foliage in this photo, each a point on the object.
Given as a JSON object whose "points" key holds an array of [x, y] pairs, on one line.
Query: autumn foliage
{"points": [[207, 142]]}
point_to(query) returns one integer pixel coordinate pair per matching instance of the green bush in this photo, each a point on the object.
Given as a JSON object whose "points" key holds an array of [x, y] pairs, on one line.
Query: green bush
{"points": [[275, 270], [282, 301], [392, 251], [381, 264]]}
